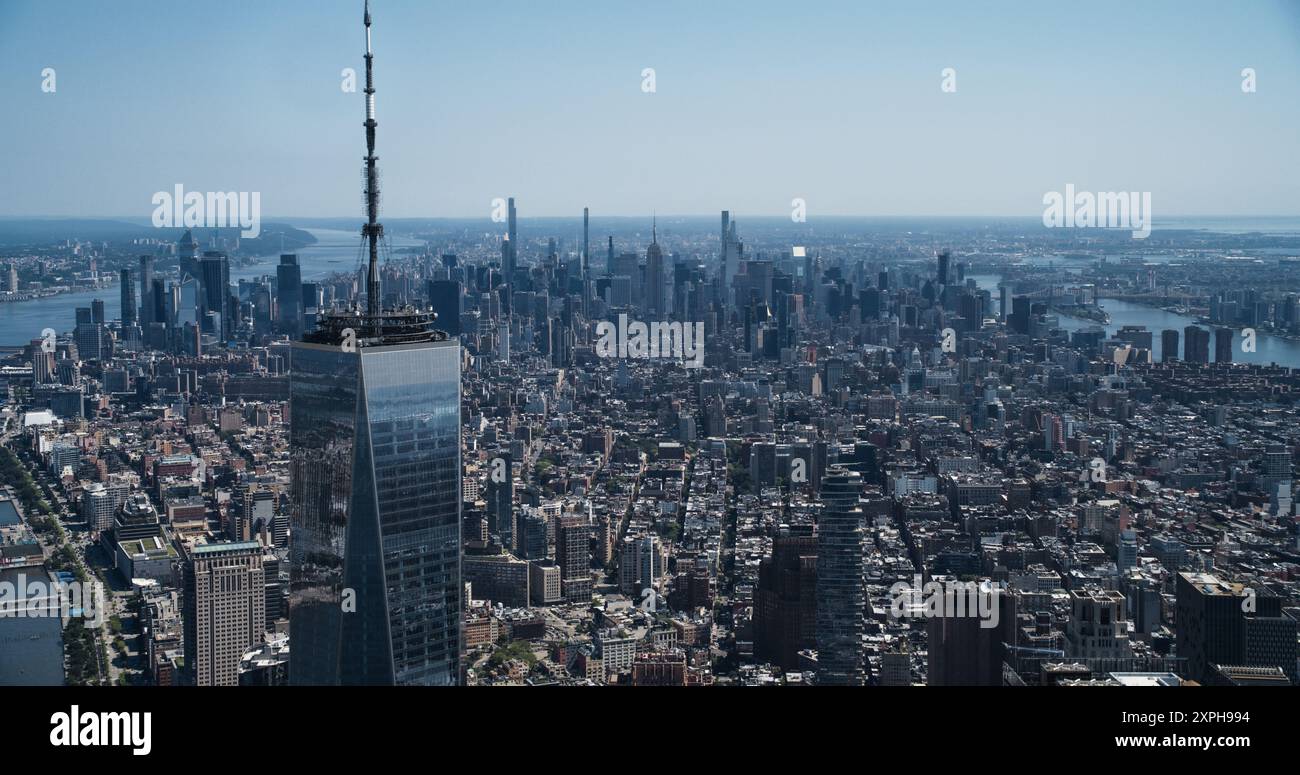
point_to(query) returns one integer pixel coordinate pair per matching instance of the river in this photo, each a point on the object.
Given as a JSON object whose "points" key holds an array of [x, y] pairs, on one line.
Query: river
{"points": [[333, 251], [1268, 349]]}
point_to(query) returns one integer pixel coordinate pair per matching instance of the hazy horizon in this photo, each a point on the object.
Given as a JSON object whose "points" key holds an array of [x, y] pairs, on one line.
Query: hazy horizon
{"points": [[755, 104]]}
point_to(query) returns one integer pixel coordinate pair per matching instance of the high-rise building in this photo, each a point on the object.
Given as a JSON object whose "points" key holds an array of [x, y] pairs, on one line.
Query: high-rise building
{"points": [[511, 254], [375, 490], [444, 299], [1276, 479], [225, 609], [1228, 625], [968, 650], [1196, 345], [573, 555], [146, 291], [785, 601], [841, 589], [654, 276], [500, 502], [129, 310], [288, 296], [1223, 345], [215, 278], [1169, 345]]}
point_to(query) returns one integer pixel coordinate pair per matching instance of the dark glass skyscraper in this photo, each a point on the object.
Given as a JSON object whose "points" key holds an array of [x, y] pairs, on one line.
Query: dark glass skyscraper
{"points": [[215, 267], [375, 487], [288, 296], [128, 297], [841, 590], [375, 467]]}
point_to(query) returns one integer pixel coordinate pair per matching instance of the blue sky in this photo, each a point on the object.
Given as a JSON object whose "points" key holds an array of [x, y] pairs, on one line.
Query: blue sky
{"points": [[838, 103]]}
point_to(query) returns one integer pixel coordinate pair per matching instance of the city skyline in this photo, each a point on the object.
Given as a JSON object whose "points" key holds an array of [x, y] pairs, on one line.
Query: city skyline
{"points": [[515, 448]]}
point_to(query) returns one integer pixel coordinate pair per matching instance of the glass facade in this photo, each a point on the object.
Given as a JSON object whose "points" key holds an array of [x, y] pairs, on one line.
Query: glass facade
{"points": [[375, 548]]}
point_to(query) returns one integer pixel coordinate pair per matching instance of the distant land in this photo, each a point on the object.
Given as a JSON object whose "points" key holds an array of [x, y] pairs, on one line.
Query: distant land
{"points": [[17, 233]]}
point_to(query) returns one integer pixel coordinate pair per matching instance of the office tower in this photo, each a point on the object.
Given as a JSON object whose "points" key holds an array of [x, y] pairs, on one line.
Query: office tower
{"points": [[1228, 625], [500, 501], [586, 245], [945, 265], [965, 650], [503, 342], [1223, 345], [1196, 345], [225, 609], [732, 254], [375, 490], [609, 258], [841, 591], [1021, 307], [654, 275], [1004, 300], [288, 296], [1126, 550], [573, 555], [586, 262], [1169, 345], [11, 283], [89, 334], [533, 544], [215, 279], [444, 300], [187, 253], [510, 257], [127, 290], [785, 601], [146, 290], [1276, 479]]}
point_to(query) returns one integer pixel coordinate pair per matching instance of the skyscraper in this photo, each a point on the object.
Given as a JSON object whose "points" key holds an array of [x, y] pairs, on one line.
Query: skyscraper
{"points": [[225, 609], [573, 555], [288, 296], [1196, 345], [1223, 345], [841, 590], [1169, 345], [586, 241], [146, 291], [1226, 624], [785, 602], [444, 298], [128, 297], [654, 275], [375, 487], [215, 277], [512, 243]]}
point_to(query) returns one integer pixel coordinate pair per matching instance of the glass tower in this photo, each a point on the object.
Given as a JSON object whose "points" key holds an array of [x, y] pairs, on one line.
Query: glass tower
{"points": [[375, 467], [841, 589]]}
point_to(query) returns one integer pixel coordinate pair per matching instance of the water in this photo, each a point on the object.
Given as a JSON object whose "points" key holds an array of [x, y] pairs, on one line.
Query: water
{"points": [[334, 251], [1268, 349]]}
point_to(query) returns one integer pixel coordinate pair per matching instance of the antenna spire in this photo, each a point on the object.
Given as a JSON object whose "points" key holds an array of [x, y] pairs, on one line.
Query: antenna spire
{"points": [[372, 231]]}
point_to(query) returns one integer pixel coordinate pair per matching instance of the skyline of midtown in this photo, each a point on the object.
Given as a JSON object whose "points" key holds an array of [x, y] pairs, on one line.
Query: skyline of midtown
{"points": [[755, 105]]}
